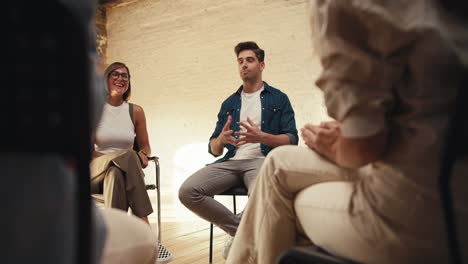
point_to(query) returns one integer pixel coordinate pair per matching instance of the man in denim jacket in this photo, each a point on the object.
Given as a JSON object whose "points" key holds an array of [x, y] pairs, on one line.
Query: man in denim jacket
{"points": [[251, 122]]}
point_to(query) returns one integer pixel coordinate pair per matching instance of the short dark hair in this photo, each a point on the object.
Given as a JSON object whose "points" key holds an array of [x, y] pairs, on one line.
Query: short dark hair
{"points": [[250, 45], [114, 66]]}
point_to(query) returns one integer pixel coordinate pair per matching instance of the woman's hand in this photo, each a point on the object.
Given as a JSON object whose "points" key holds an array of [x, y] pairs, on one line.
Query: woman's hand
{"points": [[143, 158]]}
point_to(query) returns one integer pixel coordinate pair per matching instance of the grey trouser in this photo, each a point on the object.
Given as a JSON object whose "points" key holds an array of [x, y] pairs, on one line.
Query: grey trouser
{"points": [[197, 192]]}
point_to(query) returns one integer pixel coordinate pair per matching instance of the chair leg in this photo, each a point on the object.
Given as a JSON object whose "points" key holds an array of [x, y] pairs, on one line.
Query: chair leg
{"points": [[234, 202], [159, 214], [158, 186], [211, 229], [211, 243]]}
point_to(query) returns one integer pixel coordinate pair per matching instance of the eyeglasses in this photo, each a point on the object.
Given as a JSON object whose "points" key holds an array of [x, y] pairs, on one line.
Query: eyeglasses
{"points": [[115, 75]]}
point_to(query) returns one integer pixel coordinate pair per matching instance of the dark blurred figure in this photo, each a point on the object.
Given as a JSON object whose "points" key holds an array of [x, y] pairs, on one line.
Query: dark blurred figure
{"points": [[49, 74], [53, 99]]}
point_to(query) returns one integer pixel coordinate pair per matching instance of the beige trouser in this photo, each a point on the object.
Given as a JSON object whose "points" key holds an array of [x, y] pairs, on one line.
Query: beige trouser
{"points": [[121, 177], [270, 226], [129, 239]]}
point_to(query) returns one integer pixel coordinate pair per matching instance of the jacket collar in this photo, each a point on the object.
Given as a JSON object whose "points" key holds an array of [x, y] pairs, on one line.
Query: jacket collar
{"points": [[266, 88]]}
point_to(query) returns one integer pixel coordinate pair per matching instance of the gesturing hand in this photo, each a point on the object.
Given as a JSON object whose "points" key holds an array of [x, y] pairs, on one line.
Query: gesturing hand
{"points": [[252, 133], [225, 136]]}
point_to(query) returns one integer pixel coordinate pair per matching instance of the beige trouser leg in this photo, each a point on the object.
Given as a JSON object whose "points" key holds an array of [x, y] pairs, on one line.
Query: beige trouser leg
{"points": [[268, 226], [124, 185], [323, 211], [129, 239], [115, 195]]}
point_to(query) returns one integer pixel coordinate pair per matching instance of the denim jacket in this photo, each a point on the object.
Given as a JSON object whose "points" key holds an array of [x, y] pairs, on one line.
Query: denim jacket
{"points": [[277, 118]]}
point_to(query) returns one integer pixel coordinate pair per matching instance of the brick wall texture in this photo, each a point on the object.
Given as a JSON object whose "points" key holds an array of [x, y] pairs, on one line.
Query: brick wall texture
{"points": [[182, 61], [101, 32]]}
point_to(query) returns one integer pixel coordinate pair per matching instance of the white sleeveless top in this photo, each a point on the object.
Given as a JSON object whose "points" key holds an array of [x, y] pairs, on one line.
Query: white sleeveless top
{"points": [[115, 130]]}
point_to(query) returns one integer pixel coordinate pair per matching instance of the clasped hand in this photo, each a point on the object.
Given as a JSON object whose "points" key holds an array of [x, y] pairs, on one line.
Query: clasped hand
{"points": [[321, 138], [143, 159], [251, 134]]}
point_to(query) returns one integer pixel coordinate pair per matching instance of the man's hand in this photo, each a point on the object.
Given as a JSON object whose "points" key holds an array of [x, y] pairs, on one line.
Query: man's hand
{"points": [[226, 137], [252, 133], [322, 138]]}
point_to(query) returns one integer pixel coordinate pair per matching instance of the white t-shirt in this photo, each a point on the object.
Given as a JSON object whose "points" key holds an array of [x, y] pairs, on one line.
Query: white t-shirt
{"points": [[115, 131], [251, 107]]}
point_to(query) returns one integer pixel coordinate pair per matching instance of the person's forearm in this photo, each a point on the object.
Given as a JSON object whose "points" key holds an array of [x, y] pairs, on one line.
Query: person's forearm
{"points": [[275, 140], [216, 147], [357, 152], [146, 150]]}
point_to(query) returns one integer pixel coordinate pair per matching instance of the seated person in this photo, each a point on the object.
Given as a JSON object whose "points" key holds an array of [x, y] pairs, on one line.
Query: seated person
{"points": [[122, 237], [116, 169], [366, 186], [251, 122]]}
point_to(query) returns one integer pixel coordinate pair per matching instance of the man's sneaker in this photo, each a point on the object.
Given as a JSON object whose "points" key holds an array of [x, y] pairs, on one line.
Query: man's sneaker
{"points": [[227, 246], [164, 256], [239, 215]]}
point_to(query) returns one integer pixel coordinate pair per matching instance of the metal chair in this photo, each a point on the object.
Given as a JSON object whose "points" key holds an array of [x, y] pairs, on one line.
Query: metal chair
{"points": [[298, 255], [235, 191], [155, 186], [301, 255], [164, 256]]}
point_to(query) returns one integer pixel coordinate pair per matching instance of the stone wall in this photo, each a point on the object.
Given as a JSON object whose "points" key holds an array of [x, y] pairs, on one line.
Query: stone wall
{"points": [[101, 31]]}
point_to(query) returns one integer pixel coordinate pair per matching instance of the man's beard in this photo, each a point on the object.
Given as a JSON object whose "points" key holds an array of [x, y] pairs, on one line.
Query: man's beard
{"points": [[249, 78]]}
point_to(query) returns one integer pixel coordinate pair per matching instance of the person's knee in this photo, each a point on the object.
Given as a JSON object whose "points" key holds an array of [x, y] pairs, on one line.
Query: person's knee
{"points": [[131, 156], [281, 151], [117, 174], [274, 165], [189, 194], [277, 155], [185, 194], [130, 240], [134, 156]]}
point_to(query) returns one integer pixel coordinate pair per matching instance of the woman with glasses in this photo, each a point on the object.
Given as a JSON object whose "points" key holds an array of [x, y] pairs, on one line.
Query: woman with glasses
{"points": [[116, 169]]}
